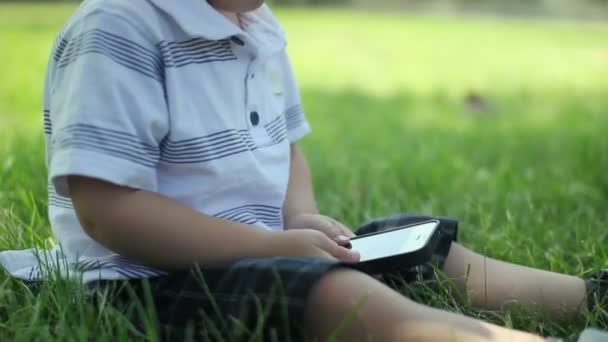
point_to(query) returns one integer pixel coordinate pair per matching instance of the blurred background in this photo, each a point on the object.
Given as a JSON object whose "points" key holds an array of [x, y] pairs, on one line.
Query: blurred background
{"points": [[493, 111], [583, 9]]}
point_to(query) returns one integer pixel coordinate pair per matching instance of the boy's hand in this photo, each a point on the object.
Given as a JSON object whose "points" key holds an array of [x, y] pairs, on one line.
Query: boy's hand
{"points": [[308, 243], [333, 229]]}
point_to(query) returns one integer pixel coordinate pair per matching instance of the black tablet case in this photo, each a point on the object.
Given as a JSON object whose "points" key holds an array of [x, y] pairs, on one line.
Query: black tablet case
{"points": [[400, 262]]}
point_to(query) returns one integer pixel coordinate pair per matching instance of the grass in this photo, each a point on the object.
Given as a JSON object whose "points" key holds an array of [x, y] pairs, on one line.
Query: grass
{"points": [[393, 132]]}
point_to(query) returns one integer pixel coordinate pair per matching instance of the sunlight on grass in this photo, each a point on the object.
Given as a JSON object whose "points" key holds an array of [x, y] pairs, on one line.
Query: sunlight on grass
{"points": [[501, 123], [390, 53]]}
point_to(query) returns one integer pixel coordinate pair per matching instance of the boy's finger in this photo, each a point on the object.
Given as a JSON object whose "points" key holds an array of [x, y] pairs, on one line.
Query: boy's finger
{"points": [[328, 256], [343, 229], [341, 239], [330, 227], [345, 254], [352, 256], [339, 252]]}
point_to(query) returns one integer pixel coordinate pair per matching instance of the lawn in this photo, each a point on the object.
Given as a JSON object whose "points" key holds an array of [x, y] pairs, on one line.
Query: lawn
{"points": [[501, 123]]}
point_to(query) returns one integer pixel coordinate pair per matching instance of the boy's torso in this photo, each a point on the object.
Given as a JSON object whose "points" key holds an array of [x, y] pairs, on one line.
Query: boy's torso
{"points": [[224, 148]]}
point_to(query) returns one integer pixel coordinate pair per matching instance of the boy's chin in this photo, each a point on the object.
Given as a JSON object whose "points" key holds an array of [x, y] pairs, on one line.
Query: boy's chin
{"points": [[236, 5]]}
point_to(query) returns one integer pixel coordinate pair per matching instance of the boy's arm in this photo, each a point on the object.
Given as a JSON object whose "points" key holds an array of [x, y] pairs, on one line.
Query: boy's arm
{"points": [[300, 193], [300, 209], [160, 232]]}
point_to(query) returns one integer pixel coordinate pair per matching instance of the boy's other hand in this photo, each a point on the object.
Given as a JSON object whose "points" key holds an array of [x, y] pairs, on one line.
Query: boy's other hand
{"points": [[333, 229], [308, 243]]}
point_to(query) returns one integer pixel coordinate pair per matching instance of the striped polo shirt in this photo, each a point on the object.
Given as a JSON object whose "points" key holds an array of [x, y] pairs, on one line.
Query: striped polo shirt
{"points": [[169, 97]]}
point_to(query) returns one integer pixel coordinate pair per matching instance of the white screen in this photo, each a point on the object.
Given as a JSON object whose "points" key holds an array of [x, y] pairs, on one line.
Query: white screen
{"points": [[393, 242]]}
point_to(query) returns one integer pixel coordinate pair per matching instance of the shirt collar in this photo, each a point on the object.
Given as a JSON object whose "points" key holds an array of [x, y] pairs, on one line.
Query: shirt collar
{"points": [[198, 19]]}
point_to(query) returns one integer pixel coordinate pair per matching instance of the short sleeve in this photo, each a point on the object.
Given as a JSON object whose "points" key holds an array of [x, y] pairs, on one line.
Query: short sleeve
{"points": [[297, 124], [107, 104]]}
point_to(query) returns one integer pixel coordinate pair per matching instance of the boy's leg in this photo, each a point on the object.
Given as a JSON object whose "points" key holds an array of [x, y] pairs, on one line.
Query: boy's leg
{"points": [[379, 313], [189, 304], [491, 284]]}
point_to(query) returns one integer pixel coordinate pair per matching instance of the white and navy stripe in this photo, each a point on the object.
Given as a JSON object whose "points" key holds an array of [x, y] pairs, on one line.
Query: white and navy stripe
{"points": [[119, 264], [109, 142], [252, 214], [119, 49], [56, 200], [219, 145], [195, 51], [276, 130], [48, 125], [294, 116], [122, 266], [207, 148]]}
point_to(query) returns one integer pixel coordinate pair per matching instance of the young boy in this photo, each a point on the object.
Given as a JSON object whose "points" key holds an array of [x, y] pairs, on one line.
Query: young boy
{"points": [[171, 144]]}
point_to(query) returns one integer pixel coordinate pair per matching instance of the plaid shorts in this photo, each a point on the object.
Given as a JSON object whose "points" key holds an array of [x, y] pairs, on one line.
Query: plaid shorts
{"points": [[261, 299]]}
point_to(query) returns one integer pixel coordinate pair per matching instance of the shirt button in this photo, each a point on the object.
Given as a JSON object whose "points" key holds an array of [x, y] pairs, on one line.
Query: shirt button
{"points": [[237, 40], [255, 118]]}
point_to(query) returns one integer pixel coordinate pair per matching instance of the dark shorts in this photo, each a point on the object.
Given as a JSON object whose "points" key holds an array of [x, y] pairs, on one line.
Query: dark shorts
{"points": [[263, 298]]}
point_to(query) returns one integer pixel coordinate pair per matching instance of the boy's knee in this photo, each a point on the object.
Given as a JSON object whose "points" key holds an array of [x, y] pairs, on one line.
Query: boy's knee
{"points": [[345, 288], [337, 281], [335, 295]]}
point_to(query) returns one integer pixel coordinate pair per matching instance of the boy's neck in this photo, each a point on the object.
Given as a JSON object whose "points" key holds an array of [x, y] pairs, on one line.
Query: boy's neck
{"points": [[233, 17]]}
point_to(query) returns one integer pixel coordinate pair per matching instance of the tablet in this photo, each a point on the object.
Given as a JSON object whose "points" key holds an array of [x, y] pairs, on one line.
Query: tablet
{"points": [[397, 248]]}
